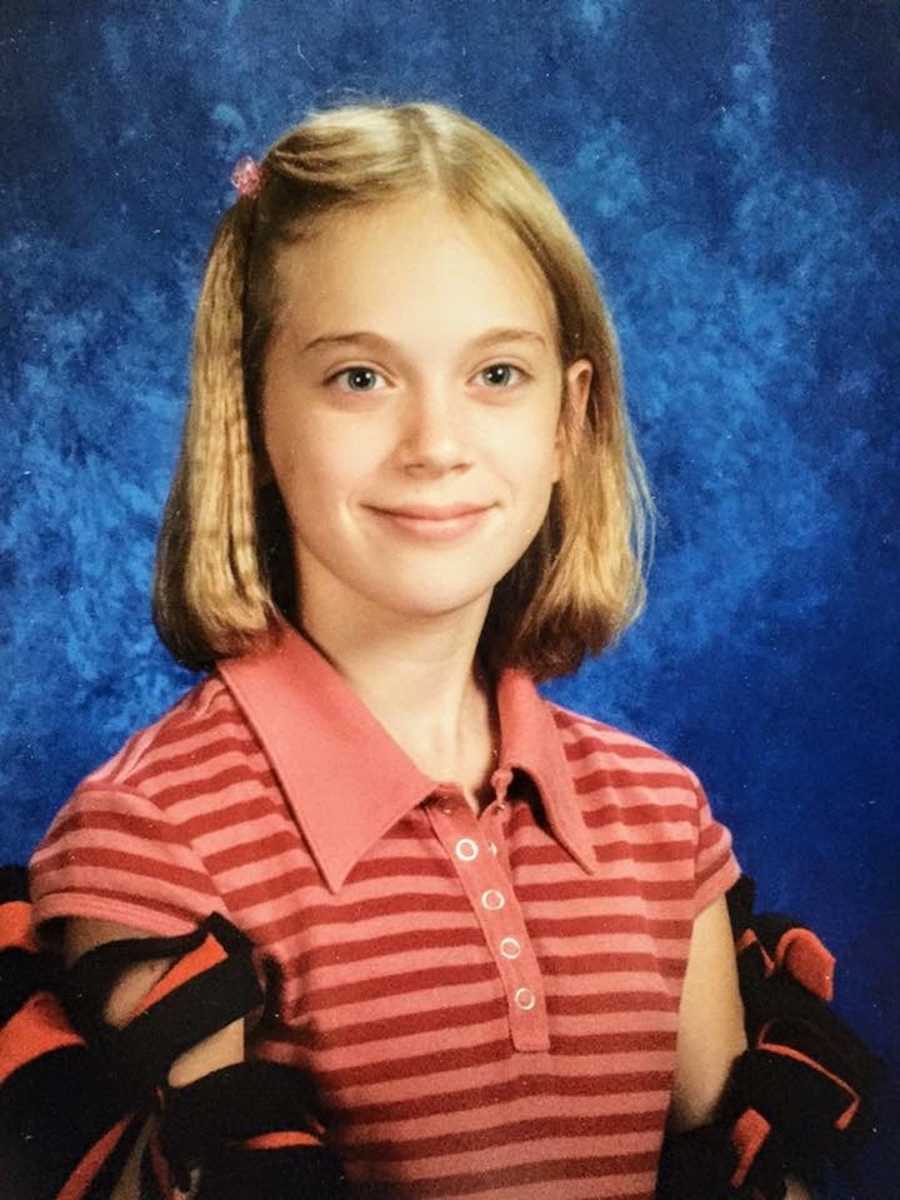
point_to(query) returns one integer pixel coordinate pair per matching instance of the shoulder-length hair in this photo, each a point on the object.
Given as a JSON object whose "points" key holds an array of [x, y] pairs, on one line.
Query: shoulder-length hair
{"points": [[225, 577]]}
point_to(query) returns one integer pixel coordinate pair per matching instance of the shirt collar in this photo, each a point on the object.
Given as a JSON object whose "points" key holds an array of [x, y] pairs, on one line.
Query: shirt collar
{"points": [[347, 781]]}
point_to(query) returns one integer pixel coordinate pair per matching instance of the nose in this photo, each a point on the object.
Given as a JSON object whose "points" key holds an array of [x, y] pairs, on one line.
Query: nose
{"points": [[433, 437]]}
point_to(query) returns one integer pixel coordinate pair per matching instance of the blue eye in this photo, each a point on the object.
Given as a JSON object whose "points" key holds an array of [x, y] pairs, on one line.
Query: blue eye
{"points": [[358, 379], [500, 375]]}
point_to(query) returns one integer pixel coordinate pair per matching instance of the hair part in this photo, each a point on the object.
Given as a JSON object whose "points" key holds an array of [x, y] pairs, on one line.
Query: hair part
{"points": [[225, 575]]}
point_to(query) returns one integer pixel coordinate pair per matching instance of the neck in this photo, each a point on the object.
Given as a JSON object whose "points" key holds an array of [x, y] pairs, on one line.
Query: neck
{"points": [[424, 686]]}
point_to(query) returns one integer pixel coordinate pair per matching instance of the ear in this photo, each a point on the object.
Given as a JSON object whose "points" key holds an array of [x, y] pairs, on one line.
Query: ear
{"points": [[576, 394]]}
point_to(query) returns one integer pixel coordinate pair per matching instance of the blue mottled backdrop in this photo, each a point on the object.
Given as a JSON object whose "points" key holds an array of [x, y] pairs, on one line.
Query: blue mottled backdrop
{"points": [[733, 169]]}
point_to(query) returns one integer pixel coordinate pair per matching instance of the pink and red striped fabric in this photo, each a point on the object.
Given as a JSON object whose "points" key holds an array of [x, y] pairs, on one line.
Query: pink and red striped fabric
{"points": [[488, 1004]]}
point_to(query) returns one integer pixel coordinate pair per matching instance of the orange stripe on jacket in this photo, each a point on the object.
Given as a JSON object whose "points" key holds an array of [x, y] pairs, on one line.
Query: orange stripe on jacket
{"points": [[15, 926], [85, 1173], [208, 954], [844, 1119], [749, 1133], [281, 1140], [747, 939], [38, 1027], [809, 960]]}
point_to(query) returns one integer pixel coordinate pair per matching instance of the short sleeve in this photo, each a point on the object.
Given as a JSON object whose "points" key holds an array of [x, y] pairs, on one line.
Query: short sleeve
{"points": [[716, 867], [113, 855]]}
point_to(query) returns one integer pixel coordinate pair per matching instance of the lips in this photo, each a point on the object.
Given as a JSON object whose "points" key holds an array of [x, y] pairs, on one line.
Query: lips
{"points": [[432, 512], [430, 523]]}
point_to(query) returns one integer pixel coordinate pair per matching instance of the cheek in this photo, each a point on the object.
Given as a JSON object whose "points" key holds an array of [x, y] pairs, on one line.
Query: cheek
{"points": [[316, 467], [531, 453]]}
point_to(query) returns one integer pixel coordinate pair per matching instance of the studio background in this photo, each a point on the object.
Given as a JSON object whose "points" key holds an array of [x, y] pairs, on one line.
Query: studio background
{"points": [[733, 170]]}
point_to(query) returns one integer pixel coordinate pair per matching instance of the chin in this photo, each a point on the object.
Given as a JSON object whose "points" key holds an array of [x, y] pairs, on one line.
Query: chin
{"points": [[438, 602]]}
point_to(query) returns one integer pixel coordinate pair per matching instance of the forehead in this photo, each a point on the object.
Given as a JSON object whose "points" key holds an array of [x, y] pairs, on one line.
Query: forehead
{"points": [[413, 262]]}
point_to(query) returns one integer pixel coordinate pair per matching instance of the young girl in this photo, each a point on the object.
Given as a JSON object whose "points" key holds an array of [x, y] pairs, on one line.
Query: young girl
{"points": [[492, 931]]}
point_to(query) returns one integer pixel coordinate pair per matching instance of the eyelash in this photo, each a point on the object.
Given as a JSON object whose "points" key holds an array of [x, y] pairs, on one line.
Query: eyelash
{"points": [[520, 376]]}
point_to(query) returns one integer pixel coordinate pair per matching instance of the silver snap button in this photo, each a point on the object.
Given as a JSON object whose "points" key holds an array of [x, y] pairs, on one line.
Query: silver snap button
{"points": [[466, 849], [492, 899], [510, 948], [525, 999]]}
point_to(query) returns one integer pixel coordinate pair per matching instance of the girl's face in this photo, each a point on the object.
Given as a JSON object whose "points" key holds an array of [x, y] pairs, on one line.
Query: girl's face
{"points": [[413, 365]]}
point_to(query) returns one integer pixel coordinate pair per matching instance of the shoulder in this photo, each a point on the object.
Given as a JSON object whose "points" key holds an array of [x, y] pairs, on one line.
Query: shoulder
{"points": [[187, 744], [124, 846], [613, 758], [637, 796], [146, 792]]}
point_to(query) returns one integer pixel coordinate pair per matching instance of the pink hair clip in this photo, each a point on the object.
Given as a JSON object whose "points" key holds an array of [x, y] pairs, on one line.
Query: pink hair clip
{"points": [[248, 177]]}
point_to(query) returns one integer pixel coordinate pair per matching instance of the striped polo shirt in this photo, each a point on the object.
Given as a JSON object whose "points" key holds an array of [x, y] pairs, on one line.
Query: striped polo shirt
{"points": [[488, 1004]]}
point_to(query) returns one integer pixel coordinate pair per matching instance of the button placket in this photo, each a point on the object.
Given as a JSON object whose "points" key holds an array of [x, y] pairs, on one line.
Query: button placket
{"points": [[494, 821], [496, 907]]}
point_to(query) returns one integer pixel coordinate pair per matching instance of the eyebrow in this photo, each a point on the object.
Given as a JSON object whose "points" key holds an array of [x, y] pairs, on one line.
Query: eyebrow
{"points": [[364, 337]]}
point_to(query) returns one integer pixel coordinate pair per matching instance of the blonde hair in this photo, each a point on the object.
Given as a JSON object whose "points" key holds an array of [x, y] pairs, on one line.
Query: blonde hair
{"points": [[224, 571]]}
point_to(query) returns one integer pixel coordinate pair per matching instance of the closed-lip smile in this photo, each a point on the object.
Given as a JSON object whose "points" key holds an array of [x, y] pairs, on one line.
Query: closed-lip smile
{"points": [[433, 512]]}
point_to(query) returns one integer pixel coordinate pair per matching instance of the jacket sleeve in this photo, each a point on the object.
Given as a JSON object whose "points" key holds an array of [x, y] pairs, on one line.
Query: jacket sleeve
{"points": [[801, 1097], [75, 1092]]}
